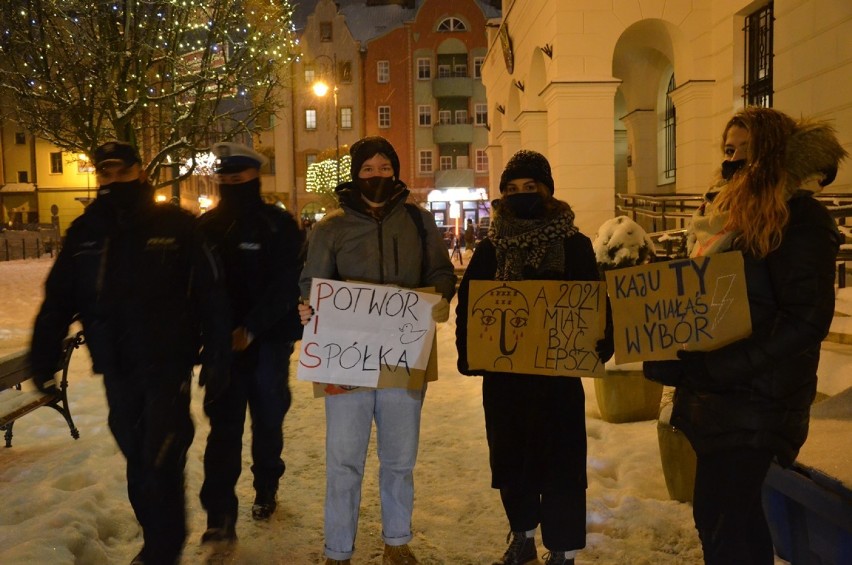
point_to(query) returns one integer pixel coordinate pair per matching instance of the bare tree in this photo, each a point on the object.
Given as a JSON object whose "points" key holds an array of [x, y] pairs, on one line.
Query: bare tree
{"points": [[171, 76]]}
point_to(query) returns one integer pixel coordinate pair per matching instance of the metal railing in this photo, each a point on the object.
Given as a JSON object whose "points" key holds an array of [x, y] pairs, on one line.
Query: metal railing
{"points": [[666, 217], [658, 213], [22, 244]]}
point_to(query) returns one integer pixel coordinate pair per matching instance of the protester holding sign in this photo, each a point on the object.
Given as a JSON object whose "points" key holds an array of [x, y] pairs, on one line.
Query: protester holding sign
{"points": [[535, 424], [375, 237], [746, 403]]}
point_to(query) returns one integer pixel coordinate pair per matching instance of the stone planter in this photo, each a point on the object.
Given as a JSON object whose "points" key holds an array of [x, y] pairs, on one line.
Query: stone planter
{"points": [[624, 395], [678, 458]]}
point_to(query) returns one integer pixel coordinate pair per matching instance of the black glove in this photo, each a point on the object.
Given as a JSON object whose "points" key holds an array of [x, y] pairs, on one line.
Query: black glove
{"points": [[605, 348], [669, 373], [695, 370], [689, 369], [215, 380], [45, 383]]}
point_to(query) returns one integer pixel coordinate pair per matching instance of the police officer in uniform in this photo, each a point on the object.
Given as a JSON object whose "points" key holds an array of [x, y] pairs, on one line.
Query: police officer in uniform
{"points": [[146, 290], [260, 245]]}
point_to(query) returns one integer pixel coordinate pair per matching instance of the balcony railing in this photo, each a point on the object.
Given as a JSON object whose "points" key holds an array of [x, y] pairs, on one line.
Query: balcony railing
{"points": [[452, 133], [452, 87], [449, 178]]}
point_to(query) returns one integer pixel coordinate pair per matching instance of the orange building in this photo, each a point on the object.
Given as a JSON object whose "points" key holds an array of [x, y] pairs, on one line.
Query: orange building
{"points": [[420, 87], [423, 91]]}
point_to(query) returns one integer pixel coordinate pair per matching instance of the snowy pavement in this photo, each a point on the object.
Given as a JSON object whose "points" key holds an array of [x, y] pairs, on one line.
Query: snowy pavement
{"points": [[64, 501]]}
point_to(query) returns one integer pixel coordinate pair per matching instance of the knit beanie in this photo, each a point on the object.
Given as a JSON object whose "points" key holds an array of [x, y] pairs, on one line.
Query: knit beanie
{"points": [[526, 164], [367, 148]]}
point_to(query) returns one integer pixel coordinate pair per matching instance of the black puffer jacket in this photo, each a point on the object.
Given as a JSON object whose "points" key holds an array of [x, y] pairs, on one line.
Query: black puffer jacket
{"points": [[757, 392], [147, 291]]}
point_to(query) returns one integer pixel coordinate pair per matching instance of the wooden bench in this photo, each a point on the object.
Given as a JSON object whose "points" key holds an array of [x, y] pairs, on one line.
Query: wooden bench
{"points": [[15, 402]]}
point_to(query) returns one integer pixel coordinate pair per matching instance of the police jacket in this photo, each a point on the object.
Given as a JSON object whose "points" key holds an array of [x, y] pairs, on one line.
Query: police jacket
{"points": [[261, 250], [350, 244], [147, 291], [757, 391]]}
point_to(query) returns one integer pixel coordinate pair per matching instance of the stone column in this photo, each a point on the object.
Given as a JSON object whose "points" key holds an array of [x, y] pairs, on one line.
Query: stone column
{"points": [[533, 131], [642, 152], [580, 128], [698, 145]]}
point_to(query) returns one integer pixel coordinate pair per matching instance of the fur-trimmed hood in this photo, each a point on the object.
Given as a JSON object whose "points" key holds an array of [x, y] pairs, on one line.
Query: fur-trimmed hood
{"points": [[811, 156]]}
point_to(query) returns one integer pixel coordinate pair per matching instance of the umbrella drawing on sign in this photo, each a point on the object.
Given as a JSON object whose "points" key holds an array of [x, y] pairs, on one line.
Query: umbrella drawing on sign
{"points": [[506, 310]]}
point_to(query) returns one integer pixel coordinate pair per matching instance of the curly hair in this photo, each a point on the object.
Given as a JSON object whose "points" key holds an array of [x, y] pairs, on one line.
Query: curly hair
{"points": [[756, 197]]}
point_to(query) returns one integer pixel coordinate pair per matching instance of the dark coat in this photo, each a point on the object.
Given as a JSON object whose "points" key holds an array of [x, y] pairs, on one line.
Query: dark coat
{"points": [[535, 424], [261, 249], [757, 392], [147, 291]]}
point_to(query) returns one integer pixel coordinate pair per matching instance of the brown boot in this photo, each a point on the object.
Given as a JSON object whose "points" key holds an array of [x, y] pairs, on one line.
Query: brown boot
{"points": [[398, 555]]}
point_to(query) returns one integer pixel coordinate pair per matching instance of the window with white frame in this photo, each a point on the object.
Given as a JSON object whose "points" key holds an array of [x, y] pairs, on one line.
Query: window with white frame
{"points": [[310, 74], [424, 114], [461, 116], [384, 116], [445, 117], [310, 159], [56, 163], [452, 24], [383, 71], [460, 70], [445, 71], [481, 161], [477, 66], [346, 117], [310, 118], [425, 161], [424, 69], [480, 114], [446, 162]]}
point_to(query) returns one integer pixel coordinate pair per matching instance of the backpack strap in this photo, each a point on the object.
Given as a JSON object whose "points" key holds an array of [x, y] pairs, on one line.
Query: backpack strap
{"points": [[414, 211]]}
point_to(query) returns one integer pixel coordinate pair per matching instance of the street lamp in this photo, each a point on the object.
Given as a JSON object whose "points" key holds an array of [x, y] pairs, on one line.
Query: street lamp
{"points": [[321, 88]]}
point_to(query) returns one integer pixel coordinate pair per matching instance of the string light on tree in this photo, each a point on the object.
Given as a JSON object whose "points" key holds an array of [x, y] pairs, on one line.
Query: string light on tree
{"points": [[169, 75], [321, 177]]}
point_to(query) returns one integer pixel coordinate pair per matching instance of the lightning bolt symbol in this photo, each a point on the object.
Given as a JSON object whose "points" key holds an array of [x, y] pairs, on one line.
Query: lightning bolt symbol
{"points": [[720, 298]]}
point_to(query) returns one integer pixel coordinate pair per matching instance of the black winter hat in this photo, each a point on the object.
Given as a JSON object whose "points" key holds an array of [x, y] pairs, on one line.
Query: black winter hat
{"points": [[526, 164], [369, 147]]}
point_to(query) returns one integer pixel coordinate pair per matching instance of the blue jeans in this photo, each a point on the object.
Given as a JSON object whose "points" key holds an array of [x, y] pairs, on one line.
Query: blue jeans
{"points": [[349, 419]]}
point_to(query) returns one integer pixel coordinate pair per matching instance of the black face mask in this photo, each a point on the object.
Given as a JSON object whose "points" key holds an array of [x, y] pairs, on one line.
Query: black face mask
{"points": [[376, 189], [124, 196], [240, 194], [729, 168], [526, 205]]}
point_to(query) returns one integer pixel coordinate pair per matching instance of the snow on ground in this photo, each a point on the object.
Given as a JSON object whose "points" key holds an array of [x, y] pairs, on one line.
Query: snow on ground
{"points": [[64, 501]]}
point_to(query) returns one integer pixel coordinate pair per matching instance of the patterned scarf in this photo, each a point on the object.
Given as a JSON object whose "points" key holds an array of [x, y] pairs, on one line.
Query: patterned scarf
{"points": [[535, 245], [707, 234]]}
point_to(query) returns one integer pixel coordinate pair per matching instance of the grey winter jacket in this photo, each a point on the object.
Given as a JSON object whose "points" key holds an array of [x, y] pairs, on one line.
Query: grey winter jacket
{"points": [[349, 244]]}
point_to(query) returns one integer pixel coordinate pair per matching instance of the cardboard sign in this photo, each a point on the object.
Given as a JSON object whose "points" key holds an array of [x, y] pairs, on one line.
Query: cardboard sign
{"points": [[695, 303], [536, 327], [388, 379], [361, 333]]}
